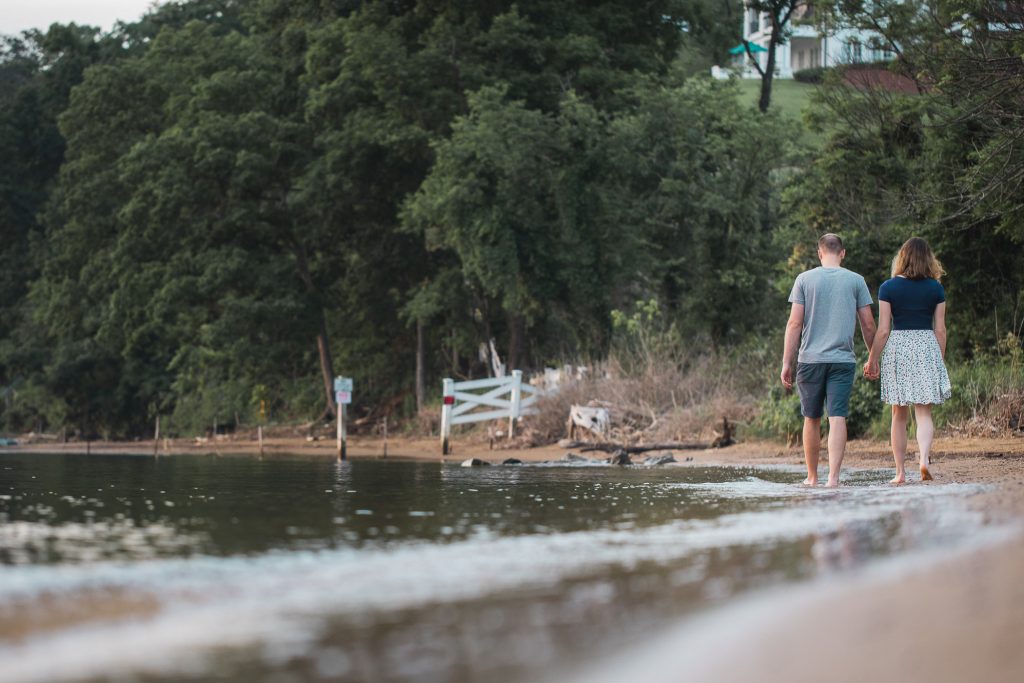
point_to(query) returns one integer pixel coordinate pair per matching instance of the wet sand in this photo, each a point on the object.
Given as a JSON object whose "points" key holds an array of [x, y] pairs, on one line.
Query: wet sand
{"points": [[956, 618]]}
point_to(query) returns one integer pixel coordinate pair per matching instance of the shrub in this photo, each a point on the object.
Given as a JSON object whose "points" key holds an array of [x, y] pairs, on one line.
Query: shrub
{"points": [[813, 75]]}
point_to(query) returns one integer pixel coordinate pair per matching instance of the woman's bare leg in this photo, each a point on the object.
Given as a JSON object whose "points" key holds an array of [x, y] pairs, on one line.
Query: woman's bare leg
{"points": [[898, 436], [925, 433]]}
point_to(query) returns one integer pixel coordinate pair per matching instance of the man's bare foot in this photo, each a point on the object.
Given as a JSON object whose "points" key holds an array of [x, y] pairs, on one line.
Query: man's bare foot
{"points": [[898, 480], [810, 482], [925, 474]]}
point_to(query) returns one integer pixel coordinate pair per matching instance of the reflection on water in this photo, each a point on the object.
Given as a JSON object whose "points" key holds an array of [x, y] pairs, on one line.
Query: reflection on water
{"points": [[306, 569]]}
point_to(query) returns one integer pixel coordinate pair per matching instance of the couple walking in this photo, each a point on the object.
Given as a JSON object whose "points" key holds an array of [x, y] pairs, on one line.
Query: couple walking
{"points": [[906, 350]]}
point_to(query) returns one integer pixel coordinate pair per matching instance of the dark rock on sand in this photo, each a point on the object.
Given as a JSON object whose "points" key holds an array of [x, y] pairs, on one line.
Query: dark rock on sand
{"points": [[620, 457], [474, 462], [662, 459], [511, 461]]}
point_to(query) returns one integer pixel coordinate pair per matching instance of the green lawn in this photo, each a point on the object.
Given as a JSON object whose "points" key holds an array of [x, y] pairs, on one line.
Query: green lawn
{"points": [[788, 96]]}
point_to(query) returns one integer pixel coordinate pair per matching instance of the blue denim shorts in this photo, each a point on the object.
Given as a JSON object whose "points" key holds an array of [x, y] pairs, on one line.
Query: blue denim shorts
{"points": [[825, 384]]}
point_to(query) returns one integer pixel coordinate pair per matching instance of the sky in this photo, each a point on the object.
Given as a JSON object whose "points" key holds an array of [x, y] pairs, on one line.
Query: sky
{"points": [[19, 15]]}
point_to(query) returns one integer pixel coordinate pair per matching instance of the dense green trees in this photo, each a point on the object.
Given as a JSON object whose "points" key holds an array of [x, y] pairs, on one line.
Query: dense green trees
{"points": [[227, 203]]}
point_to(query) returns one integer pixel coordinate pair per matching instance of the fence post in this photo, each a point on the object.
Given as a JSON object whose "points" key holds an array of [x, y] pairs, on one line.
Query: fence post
{"points": [[516, 400], [156, 436], [342, 437], [448, 393]]}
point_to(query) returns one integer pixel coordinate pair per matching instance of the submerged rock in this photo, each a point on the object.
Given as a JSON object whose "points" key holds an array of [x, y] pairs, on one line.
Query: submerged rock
{"points": [[662, 459], [474, 462], [620, 457], [572, 457], [511, 461]]}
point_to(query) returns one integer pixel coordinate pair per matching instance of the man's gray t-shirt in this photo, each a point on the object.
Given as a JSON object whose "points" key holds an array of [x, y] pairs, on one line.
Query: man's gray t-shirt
{"points": [[831, 297]]}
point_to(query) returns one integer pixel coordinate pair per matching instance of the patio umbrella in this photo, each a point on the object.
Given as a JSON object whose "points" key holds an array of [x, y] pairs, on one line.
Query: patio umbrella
{"points": [[754, 47]]}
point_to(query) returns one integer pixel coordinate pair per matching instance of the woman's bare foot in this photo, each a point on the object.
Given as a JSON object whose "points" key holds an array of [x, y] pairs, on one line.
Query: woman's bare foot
{"points": [[899, 479], [925, 474], [810, 482], [832, 483]]}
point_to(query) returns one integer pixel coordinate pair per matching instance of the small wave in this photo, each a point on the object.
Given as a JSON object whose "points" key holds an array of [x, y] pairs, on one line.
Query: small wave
{"points": [[210, 603]]}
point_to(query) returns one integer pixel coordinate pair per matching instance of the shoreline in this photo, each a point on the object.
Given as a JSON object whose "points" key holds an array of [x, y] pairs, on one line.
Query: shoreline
{"points": [[957, 616], [859, 452]]}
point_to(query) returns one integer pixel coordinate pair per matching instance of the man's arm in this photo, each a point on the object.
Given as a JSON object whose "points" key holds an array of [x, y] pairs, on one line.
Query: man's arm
{"points": [[867, 325], [794, 326]]}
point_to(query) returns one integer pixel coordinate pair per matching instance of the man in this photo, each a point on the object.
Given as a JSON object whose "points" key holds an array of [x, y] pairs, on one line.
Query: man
{"points": [[827, 302]]}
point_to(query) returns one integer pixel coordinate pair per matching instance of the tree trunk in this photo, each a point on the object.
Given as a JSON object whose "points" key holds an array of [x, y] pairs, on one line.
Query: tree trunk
{"points": [[323, 345], [769, 72], [421, 352], [516, 341], [326, 366]]}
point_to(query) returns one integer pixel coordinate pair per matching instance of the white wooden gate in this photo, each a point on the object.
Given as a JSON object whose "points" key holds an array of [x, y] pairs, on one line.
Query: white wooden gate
{"points": [[461, 405]]}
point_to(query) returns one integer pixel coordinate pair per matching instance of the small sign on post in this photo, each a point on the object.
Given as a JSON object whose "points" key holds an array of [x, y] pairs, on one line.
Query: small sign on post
{"points": [[342, 397]]}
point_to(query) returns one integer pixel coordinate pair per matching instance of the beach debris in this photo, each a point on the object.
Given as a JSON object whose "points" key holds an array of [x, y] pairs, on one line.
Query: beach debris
{"points": [[609, 447], [723, 437], [572, 457], [474, 462], [588, 419], [662, 459], [620, 457], [511, 461]]}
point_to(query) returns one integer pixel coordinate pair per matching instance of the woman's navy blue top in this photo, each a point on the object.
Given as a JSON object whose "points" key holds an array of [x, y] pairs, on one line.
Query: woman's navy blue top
{"points": [[913, 302]]}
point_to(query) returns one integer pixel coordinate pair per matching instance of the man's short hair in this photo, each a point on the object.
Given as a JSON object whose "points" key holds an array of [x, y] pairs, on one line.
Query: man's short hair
{"points": [[831, 243]]}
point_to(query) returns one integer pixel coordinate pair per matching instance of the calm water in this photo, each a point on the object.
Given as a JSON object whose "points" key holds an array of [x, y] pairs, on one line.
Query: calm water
{"points": [[294, 569]]}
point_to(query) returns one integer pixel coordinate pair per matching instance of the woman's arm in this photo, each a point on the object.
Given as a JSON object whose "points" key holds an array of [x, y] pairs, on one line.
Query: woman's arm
{"points": [[939, 325], [881, 337]]}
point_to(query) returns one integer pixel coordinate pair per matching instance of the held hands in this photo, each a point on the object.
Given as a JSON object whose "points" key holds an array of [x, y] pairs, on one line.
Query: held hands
{"points": [[872, 371]]}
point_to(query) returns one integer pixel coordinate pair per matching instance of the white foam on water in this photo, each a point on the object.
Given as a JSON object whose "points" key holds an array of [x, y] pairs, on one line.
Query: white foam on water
{"points": [[209, 603]]}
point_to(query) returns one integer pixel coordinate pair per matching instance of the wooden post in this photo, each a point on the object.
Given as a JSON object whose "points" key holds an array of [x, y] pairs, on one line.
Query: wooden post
{"points": [[448, 393], [259, 435], [385, 436], [156, 436], [341, 432], [516, 400], [421, 372]]}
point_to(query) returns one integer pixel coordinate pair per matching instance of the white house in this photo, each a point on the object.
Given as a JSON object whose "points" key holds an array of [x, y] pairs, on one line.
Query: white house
{"points": [[805, 46]]}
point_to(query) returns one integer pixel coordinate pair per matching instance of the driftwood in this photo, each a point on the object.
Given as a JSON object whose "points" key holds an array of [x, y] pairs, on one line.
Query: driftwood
{"points": [[609, 447], [723, 438]]}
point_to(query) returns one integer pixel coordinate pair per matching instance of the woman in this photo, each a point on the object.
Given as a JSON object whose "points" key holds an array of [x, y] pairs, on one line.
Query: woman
{"points": [[911, 341]]}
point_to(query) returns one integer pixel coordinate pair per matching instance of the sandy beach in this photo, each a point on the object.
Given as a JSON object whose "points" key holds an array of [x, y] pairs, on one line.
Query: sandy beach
{"points": [[956, 618]]}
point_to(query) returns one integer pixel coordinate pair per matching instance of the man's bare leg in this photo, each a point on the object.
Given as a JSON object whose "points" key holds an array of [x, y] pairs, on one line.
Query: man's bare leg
{"points": [[836, 448], [812, 448], [898, 437]]}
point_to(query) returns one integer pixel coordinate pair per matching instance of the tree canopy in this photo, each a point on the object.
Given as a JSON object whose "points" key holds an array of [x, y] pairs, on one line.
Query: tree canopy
{"points": [[225, 204]]}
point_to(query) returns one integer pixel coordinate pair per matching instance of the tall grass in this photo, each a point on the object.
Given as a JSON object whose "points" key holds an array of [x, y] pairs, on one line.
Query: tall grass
{"points": [[987, 400], [657, 385]]}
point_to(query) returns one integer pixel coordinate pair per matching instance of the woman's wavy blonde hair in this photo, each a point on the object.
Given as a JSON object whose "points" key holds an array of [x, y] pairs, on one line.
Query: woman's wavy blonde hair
{"points": [[915, 261]]}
